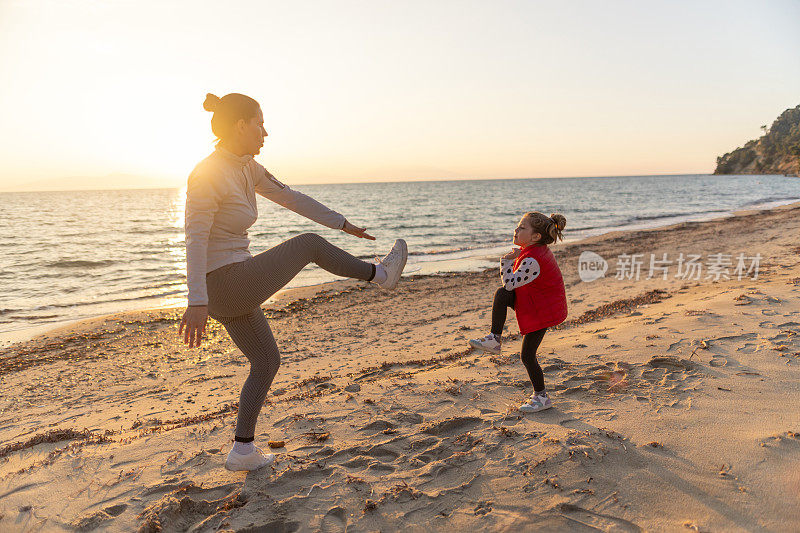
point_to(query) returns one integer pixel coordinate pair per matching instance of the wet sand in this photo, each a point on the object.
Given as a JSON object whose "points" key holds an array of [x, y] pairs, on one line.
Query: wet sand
{"points": [[674, 407]]}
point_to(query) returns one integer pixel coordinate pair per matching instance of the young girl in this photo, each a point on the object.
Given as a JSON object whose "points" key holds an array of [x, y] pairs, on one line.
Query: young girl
{"points": [[534, 288]]}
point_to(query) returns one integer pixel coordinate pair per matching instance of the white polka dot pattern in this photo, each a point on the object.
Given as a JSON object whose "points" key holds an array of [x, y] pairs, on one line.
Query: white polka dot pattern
{"points": [[528, 271]]}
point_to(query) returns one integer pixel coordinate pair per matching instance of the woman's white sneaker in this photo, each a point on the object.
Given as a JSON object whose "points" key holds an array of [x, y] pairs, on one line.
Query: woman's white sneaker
{"points": [[393, 263], [536, 403], [488, 344], [252, 461]]}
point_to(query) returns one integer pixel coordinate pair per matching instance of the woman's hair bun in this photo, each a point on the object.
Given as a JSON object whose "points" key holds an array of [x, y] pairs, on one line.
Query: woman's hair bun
{"points": [[211, 102], [560, 220]]}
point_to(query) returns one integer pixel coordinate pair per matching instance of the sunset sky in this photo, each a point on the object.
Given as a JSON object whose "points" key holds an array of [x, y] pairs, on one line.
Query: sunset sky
{"points": [[385, 91]]}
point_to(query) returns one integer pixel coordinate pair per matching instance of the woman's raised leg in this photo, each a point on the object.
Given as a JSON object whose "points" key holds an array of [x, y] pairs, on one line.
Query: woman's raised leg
{"points": [[255, 280]]}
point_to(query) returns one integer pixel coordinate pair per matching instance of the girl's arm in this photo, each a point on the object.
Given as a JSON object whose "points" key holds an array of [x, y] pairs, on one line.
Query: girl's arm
{"points": [[528, 271]]}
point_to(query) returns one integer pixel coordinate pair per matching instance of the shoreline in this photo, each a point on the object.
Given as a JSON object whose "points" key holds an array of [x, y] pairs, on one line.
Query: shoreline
{"points": [[137, 285], [286, 296]]}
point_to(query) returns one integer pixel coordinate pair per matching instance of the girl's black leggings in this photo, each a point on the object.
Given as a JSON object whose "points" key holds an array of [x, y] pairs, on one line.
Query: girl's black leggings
{"points": [[503, 299]]}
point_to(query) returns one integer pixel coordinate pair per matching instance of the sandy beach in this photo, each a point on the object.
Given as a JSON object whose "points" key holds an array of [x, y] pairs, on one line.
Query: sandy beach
{"points": [[675, 407]]}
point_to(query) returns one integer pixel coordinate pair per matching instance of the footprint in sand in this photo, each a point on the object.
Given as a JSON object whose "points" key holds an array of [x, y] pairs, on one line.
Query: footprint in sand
{"points": [[359, 461], [116, 510], [334, 521], [448, 465], [598, 521], [785, 335], [574, 423], [483, 508], [458, 424], [90, 522], [790, 440], [679, 345], [440, 450], [655, 381], [718, 361], [378, 468], [406, 417], [378, 425], [382, 452], [195, 505]]}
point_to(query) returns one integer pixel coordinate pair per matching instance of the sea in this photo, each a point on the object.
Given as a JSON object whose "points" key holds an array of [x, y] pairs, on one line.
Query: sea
{"points": [[67, 256]]}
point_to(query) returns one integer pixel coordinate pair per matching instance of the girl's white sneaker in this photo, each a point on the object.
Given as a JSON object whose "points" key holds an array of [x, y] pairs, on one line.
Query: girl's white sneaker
{"points": [[393, 263], [488, 344], [536, 403], [252, 461]]}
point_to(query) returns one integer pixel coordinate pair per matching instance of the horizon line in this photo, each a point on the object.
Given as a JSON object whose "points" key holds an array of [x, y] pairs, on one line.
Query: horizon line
{"points": [[429, 180]]}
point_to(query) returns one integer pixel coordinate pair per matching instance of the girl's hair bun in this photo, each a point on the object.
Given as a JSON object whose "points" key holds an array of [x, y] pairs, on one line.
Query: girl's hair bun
{"points": [[560, 221], [548, 227], [211, 102]]}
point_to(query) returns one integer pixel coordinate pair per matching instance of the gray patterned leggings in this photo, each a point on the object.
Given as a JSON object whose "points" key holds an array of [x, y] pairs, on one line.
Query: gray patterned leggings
{"points": [[235, 295]]}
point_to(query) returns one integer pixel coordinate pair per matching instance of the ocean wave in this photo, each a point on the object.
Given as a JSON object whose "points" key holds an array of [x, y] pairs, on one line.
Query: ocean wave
{"points": [[583, 228], [149, 231], [668, 216], [161, 294], [643, 218], [36, 273], [426, 253], [153, 284], [80, 263], [416, 226], [34, 317], [589, 209], [29, 314], [411, 234], [154, 253], [770, 199]]}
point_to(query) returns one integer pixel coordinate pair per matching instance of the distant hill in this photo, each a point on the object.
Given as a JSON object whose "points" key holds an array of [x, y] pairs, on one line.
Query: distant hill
{"points": [[776, 152]]}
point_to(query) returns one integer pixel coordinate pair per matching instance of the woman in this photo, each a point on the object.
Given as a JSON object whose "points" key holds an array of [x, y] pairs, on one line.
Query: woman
{"points": [[227, 283]]}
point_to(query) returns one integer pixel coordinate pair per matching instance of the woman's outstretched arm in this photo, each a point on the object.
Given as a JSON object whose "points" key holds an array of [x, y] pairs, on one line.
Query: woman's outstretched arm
{"points": [[267, 186]]}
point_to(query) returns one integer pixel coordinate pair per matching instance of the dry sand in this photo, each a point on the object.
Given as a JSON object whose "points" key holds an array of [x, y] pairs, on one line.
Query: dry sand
{"points": [[675, 408]]}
